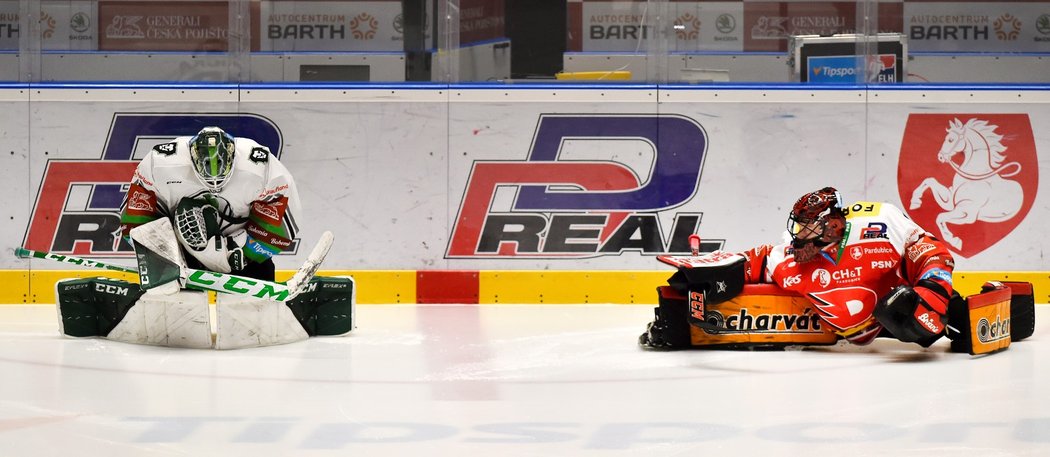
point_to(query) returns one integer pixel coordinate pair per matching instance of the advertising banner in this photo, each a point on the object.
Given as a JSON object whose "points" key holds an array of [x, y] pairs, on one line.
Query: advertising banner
{"points": [[625, 26], [163, 26], [768, 25], [481, 20], [64, 26], [978, 26], [524, 180], [354, 25], [330, 26], [843, 69]]}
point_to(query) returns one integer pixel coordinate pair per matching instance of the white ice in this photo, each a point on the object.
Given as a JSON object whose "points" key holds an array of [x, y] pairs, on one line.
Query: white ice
{"points": [[502, 380]]}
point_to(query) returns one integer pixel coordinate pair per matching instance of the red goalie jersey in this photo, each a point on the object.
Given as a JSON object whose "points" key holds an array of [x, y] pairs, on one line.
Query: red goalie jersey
{"points": [[881, 248]]}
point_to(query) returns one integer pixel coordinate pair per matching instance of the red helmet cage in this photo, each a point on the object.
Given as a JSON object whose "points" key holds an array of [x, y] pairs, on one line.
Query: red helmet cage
{"points": [[814, 207]]}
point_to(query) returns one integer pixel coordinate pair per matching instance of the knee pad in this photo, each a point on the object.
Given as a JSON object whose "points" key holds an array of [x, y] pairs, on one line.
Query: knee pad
{"points": [[182, 319], [245, 322], [325, 308], [120, 311]]}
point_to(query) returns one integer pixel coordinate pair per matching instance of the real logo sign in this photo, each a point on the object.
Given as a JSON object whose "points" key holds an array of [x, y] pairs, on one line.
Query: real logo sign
{"points": [[77, 209], [583, 208]]}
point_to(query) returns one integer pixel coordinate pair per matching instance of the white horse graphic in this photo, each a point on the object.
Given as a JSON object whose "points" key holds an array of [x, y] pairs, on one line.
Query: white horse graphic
{"points": [[979, 191]]}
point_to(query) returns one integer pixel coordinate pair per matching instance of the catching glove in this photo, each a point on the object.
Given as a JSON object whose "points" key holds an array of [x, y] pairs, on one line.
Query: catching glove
{"points": [[197, 226]]}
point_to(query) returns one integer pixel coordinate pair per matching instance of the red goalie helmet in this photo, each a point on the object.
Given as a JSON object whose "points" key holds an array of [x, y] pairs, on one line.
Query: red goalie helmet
{"points": [[816, 220]]}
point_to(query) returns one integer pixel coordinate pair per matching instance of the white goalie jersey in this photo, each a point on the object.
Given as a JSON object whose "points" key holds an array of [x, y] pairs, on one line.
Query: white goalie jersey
{"points": [[257, 205]]}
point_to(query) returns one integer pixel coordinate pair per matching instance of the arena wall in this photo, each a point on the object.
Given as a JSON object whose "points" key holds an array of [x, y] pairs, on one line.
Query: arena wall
{"points": [[537, 193]]}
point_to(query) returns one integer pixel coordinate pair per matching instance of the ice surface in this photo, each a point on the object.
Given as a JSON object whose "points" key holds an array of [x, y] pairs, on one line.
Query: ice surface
{"points": [[504, 380]]}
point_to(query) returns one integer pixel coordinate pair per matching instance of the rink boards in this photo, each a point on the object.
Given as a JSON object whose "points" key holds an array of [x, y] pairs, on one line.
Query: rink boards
{"points": [[539, 193], [482, 287]]}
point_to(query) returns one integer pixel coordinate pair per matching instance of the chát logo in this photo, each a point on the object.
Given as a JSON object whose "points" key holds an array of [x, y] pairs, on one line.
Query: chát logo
{"points": [[554, 206], [968, 178], [77, 209]]}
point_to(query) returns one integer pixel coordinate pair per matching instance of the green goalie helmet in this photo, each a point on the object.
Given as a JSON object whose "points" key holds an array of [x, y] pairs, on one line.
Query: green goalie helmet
{"points": [[212, 151]]}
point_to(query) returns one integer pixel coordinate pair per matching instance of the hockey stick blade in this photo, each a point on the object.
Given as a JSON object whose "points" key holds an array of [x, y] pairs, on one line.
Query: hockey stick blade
{"points": [[302, 277]]}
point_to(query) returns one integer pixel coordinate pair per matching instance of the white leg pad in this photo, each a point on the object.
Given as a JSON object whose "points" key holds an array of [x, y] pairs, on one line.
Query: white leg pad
{"points": [[178, 320], [244, 322]]}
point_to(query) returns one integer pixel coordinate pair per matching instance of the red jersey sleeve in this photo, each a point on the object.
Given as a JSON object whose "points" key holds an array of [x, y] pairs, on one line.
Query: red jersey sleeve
{"points": [[928, 259], [140, 205], [755, 265]]}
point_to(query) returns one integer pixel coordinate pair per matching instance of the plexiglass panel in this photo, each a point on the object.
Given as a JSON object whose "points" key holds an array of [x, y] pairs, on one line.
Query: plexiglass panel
{"points": [[694, 41]]}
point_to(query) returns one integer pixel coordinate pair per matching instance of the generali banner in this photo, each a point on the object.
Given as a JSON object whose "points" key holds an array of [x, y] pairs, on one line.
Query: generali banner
{"points": [[348, 25], [407, 180], [195, 26]]}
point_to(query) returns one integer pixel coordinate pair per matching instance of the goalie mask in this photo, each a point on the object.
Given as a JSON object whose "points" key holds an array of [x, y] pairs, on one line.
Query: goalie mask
{"points": [[816, 221], [211, 151]]}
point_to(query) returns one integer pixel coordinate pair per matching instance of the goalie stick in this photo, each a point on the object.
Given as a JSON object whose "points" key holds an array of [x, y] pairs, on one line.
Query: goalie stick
{"points": [[219, 282], [23, 253]]}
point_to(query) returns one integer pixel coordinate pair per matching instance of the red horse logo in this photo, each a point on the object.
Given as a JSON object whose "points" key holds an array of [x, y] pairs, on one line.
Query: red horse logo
{"points": [[982, 183]]}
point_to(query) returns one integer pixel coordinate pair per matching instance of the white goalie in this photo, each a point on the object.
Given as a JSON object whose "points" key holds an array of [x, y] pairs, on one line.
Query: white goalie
{"points": [[208, 212]]}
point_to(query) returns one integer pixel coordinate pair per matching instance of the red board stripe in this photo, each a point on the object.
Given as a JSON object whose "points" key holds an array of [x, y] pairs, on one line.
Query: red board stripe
{"points": [[447, 286]]}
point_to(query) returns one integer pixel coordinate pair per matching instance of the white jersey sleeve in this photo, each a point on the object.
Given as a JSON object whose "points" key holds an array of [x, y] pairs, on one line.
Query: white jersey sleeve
{"points": [[271, 225], [144, 201]]}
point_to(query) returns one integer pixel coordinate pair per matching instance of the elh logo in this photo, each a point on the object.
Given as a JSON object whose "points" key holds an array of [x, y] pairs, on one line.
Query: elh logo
{"points": [[970, 179], [77, 209], [882, 68], [552, 206]]}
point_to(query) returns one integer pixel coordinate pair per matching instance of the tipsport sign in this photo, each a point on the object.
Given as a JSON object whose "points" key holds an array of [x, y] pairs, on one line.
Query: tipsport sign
{"points": [[552, 205], [77, 208]]}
